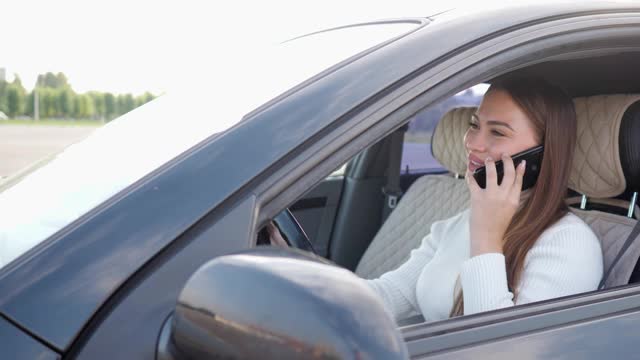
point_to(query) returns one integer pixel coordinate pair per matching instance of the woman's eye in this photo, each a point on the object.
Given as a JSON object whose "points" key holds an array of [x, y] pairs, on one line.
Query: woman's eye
{"points": [[473, 125], [496, 133]]}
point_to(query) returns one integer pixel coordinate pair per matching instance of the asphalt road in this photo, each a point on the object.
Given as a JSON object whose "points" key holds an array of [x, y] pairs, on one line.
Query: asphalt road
{"points": [[23, 145]]}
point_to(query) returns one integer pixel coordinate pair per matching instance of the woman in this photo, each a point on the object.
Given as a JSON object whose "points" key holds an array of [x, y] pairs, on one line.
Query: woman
{"points": [[510, 247]]}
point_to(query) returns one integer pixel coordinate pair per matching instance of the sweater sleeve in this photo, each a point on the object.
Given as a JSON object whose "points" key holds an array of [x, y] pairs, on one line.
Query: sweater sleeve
{"points": [[565, 261], [397, 288]]}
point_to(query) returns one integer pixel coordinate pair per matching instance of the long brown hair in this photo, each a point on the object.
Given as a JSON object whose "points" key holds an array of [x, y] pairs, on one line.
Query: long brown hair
{"points": [[553, 117]]}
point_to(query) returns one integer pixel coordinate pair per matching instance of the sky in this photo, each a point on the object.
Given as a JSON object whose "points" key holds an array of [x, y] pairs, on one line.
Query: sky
{"points": [[135, 46], [156, 45]]}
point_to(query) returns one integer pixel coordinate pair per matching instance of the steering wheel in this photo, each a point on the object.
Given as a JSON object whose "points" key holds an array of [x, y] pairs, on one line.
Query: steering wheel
{"points": [[290, 230]]}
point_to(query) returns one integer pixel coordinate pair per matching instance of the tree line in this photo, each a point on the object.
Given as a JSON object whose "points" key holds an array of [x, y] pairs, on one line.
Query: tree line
{"points": [[57, 100]]}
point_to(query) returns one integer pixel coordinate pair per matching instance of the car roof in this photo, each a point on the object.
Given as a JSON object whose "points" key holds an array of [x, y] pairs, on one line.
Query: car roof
{"points": [[613, 72]]}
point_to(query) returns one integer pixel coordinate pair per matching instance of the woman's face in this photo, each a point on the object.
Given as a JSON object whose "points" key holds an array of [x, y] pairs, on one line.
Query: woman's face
{"points": [[498, 127]]}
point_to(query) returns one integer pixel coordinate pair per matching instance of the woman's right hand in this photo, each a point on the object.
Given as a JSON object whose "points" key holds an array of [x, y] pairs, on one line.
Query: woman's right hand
{"points": [[493, 208]]}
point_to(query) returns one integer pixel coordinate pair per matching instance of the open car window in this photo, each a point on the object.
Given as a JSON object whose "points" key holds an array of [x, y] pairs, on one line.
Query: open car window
{"points": [[51, 195]]}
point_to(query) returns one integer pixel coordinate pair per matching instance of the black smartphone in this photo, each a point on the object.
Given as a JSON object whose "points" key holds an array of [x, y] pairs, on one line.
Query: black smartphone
{"points": [[533, 156]]}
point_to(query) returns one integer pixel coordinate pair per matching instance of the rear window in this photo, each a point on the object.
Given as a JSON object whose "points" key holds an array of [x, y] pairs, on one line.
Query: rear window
{"points": [[417, 156]]}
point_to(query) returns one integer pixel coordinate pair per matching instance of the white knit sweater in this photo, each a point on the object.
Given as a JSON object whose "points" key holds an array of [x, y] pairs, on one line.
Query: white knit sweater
{"points": [[565, 260]]}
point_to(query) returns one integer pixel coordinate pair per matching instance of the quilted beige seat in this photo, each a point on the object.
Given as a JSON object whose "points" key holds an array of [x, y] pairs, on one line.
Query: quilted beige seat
{"points": [[597, 173], [429, 199]]}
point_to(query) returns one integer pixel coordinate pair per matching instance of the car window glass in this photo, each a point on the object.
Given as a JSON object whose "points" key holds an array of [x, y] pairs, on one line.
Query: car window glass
{"points": [[417, 156], [89, 172], [115, 156]]}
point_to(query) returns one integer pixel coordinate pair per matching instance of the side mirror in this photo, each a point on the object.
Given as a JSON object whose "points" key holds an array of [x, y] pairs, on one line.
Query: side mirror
{"points": [[275, 303]]}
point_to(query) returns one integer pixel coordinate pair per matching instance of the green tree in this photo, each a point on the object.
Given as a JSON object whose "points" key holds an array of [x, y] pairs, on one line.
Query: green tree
{"points": [[129, 102], [61, 81], [3, 96], [83, 107], [65, 102], [89, 107], [120, 105], [15, 100], [110, 105], [49, 105], [125, 103], [57, 99], [98, 104], [15, 97], [144, 98], [51, 80]]}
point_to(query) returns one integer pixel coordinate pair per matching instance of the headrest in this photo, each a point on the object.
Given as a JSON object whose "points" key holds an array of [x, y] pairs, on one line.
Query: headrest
{"points": [[630, 146], [597, 169], [447, 141]]}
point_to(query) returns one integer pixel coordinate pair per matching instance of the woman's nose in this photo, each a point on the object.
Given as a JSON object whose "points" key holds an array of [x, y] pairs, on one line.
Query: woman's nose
{"points": [[474, 142]]}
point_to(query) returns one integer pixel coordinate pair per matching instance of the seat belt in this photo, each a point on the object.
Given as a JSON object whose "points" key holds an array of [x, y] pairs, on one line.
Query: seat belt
{"points": [[634, 233], [392, 191]]}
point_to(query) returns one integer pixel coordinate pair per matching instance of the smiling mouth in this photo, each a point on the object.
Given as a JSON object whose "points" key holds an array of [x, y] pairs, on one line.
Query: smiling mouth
{"points": [[473, 165]]}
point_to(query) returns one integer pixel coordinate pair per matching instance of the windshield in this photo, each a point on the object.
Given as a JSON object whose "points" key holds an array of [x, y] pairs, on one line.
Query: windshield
{"points": [[66, 186]]}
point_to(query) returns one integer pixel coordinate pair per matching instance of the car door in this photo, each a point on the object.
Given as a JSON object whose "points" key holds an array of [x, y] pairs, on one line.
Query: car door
{"points": [[594, 326]]}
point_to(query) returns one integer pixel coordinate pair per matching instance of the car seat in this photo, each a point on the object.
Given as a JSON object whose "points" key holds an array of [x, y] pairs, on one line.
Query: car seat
{"points": [[430, 198]]}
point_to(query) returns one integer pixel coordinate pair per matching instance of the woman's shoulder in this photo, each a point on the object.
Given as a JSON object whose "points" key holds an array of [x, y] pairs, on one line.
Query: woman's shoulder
{"points": [[571, 230], [570, 221], [571, 242]]}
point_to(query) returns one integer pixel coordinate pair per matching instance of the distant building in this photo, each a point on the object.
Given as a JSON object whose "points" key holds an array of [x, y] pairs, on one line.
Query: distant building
{"points": [[3, 74]]}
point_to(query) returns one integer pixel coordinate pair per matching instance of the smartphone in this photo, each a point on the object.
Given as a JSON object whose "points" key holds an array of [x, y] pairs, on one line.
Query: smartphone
{"points": [[533, 156]]}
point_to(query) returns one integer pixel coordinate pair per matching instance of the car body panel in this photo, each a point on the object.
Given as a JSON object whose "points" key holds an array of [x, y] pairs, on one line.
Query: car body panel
{"points": [[18, 345], [612, 337], [522, 322], [148, 303]]}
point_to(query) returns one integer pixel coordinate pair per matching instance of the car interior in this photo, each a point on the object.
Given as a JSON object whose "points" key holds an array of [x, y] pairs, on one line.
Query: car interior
{"points": [[369, 214]]}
